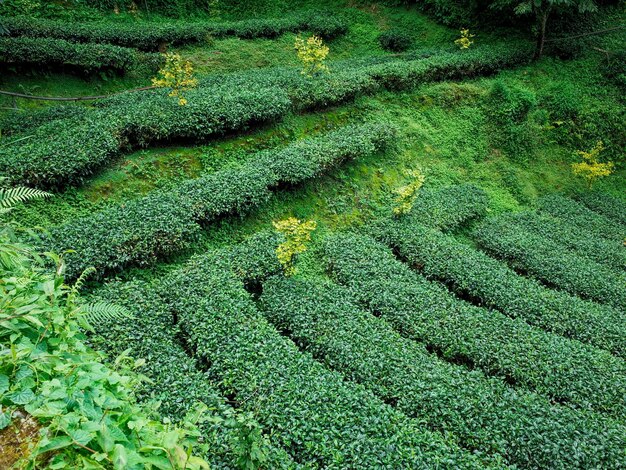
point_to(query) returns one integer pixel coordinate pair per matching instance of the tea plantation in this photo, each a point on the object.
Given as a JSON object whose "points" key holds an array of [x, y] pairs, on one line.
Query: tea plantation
{"points": [[289, 234]]}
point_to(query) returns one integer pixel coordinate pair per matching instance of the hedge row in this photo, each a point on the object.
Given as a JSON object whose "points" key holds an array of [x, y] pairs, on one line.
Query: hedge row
{"points": [[483, 413], [319, 418], [581, 243], [606, 205], [82, 57], [67, 150], [549, 262], [167, 221], [227, 102], [450, 207], [494, 284], [23, 120], [565, 370], [582, 217], [175, 381], [150, 36]]}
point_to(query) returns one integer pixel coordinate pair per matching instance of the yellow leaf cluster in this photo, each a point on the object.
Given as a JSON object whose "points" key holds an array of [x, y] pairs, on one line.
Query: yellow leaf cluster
{"points": [[297, 235], [465, 41], [312, 53], [176, 74], [590, 168], [406, 194]]}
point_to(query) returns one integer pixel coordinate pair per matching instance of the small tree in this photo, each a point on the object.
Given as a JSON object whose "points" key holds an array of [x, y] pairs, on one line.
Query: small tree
{"points": [[465, 41], [406, 194], [312, 53], [541, 10], [176, 74], [297, 235], [590, 168]]}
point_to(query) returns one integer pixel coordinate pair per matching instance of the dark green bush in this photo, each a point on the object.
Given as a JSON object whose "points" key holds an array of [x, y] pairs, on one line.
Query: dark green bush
{"points": [[582, 217], [175, 381], [89, 58], [318, 417], [149, 36], [606, 205], [562, 369], [165, 222], [550, 262], [483, 413], [395, 40], [493, 284], [25, 119], [67, 151]]}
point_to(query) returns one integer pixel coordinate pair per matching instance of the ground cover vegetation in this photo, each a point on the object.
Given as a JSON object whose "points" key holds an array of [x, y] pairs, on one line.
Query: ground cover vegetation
{"points": [[295, 234]]}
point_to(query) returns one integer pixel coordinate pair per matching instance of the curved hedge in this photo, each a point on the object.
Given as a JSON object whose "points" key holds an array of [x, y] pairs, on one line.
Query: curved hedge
{"points": [[149, 36], [167, 221], [495, 285], [562, 369], [449, 207], [606, 205], [319, 418], [175, 381], [580, 242], [549, 262], [580, 216], [221, 103], [67, 150], [83, 57], [483, 413]]}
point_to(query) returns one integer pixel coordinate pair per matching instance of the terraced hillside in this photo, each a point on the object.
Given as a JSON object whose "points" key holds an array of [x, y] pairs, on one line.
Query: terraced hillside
{"points": [[388, 264]]}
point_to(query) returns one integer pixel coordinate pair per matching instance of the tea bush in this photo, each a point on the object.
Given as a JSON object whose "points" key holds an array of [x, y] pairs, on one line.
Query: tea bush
{"points": [[493, 284], [566, 371], [483, 413]]}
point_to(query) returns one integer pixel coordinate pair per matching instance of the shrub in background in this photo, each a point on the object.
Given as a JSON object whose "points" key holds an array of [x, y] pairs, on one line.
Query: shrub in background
{"points": [[395, 40]]}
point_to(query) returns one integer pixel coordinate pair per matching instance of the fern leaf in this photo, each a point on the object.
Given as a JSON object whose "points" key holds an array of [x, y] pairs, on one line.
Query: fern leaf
{"points": [[11, 196], [98, 313]]}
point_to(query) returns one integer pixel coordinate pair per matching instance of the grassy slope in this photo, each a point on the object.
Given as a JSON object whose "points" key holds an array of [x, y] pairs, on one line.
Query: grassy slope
{"points": [[445, 131]]}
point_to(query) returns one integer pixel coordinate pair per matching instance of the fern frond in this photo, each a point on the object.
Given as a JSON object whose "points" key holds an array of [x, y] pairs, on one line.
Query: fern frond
{"points": [[101, 312], [78, 285], [11, 196]]}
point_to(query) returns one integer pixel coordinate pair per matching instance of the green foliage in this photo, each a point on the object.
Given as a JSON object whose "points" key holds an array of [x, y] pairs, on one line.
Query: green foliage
{"points": [[606, 205], [406, 194], [68, 150], [586, 220], [342, 424], [590, 168], [395, 40], [312, 53], [483, 413], [177, 75], [85, 409], [151, 36], [82, 58], [509, 109], [465, 41], [552, 263], [165, 222], [472, 273], [9, 197], [563, 369]]}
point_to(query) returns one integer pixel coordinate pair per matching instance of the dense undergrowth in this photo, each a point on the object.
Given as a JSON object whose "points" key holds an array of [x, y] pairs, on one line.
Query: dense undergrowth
{"points": [[481, 326]]}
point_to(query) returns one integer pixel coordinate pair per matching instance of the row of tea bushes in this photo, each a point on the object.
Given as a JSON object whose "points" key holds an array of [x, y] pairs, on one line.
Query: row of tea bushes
{"points": [[64, 152], [582, 217], [493, 284], [608, 206], [88, 58], [167, 221], [149, 36], [551, 263], [175, 381], [483, 413], [68, 150], [565, 370], [319, 418], [582, 243]]}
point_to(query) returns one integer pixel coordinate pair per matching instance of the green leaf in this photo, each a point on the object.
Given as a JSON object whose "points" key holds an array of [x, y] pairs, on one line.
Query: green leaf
{"points": [[22, 397], [5, 419], [4, 383], [120, 458]]}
